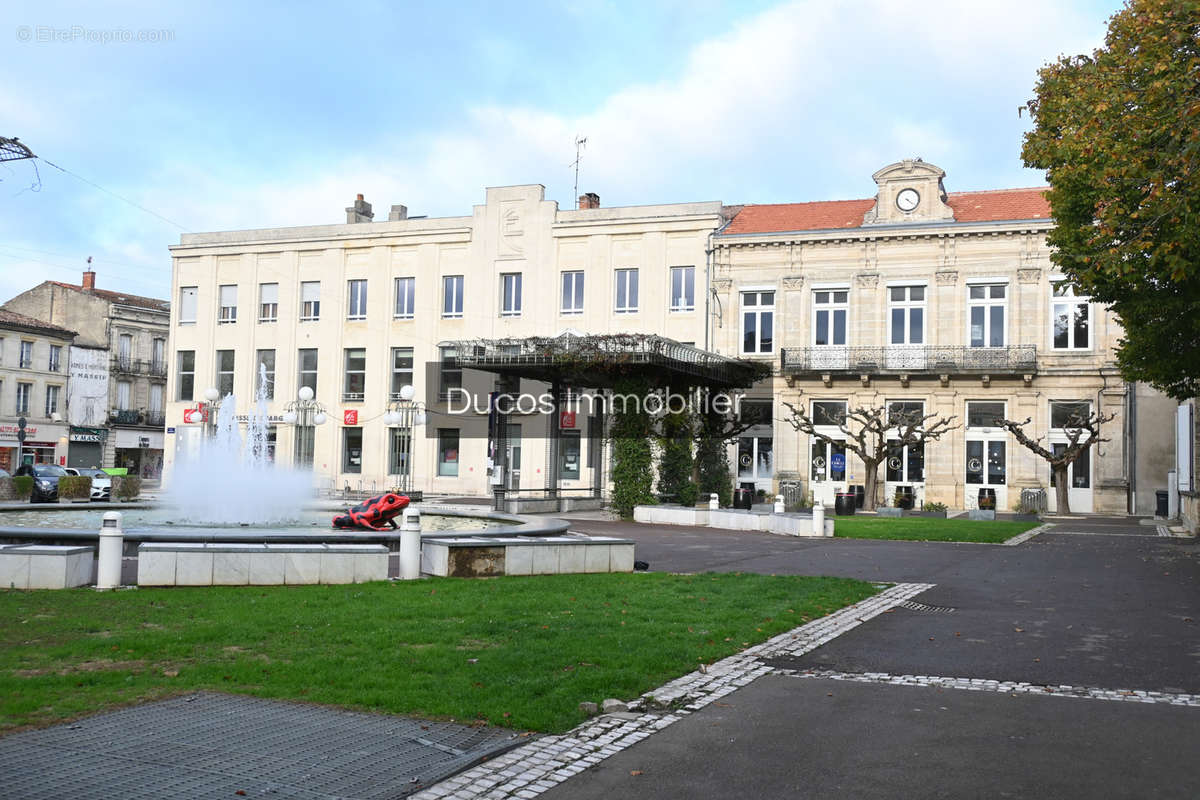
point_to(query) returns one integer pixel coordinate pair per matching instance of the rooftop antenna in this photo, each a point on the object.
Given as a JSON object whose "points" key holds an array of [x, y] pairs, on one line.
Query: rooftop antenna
{"points": [[580, 143]]}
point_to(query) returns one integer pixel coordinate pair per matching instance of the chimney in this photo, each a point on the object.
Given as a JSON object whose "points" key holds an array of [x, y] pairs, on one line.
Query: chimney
{"points": [[89, 280], [589, 200], [398, 213], [359, 212]]}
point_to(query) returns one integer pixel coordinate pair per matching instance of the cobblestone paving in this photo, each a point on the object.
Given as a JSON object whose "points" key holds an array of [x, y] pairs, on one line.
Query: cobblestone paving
{"points": [[547, 761]]}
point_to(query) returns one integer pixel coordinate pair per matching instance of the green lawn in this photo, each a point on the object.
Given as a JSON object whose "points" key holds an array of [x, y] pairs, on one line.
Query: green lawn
{"points": [[521, 652], [930, 529]]}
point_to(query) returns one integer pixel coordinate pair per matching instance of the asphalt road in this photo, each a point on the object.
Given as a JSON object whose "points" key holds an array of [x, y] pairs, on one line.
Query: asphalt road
{"points": [[1101, 603]]}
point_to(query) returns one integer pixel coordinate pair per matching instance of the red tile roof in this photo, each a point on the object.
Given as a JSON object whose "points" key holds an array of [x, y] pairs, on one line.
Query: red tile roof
{"points": [[120, 298], [13, 320], [989, 206]]}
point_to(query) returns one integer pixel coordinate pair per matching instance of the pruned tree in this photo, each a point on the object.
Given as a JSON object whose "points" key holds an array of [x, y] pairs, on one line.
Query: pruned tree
{"points": [[1076, 445], [871, 432]]}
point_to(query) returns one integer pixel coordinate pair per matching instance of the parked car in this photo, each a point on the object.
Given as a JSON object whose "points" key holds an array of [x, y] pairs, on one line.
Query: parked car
{"points": [[45, 481], [101, 481]]}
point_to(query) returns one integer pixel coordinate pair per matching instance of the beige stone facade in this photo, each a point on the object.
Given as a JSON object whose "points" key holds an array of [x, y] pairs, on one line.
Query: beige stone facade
{"points": [[33, 387]]}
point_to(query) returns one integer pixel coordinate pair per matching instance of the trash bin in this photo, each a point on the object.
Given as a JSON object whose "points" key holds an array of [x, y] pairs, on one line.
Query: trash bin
{"points": [[743, 498], [904, 497], [860, 494], [987, 499], [1161, 500], [843, 504]]}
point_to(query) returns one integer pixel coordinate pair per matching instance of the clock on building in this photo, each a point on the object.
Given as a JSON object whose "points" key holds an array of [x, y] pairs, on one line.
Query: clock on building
{"points": [[907, 199]]}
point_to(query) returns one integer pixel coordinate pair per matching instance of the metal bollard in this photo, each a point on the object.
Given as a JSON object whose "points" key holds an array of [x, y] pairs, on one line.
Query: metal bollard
{"points": [[713, 502], [410, 545], [112, 543], [778, 504], [818, 519]]}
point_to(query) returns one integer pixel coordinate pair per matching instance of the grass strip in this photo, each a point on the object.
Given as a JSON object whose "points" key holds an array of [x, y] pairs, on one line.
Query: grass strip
{"points": [[519, 652], [930, 529]]}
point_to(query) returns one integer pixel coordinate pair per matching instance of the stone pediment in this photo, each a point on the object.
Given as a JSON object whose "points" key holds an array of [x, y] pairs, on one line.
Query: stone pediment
{"points": [[909, 191]]}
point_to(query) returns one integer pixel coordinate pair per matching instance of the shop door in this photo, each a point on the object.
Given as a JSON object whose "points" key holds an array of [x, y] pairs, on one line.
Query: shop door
{"points": [[987, 468], [756, 462], [827, 469], [1079, 479]]}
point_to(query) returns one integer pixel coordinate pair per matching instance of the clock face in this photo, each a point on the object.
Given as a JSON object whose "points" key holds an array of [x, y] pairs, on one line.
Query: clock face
{"points": [[907, 199]]}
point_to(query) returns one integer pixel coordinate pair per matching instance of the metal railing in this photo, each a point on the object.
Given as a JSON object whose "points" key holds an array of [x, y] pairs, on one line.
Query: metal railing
{"points": [[909, 358], [139, 366]]}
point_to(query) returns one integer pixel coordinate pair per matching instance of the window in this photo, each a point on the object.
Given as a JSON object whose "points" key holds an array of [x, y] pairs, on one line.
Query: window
{"points": [[572, 292], [1070, 319], [683, 288], [451, 373], [831, 308], [989, 469], [406, 298], [754, 412], [225, 372], [448, 452], [758, 322], [829, 412], [186, 374], [228, 304], [984, 415], [906, 310], [24, 391], [54, 363], [402, 370], [158, 362], [399, 450], [905, 463], [569, 453], [156, 401], [124, 393], [310, 301], [52, 400], [985, 315], [268, 302], [355, 385], [125, 351], [187, 305], [25, 357], [352, 442], [307, 368], [357, 291], [1071, 414], [452, 296], [510, 294], [264, 375], [626, 292]]}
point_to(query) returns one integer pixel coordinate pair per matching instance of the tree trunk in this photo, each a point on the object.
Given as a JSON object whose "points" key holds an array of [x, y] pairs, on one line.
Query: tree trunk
{"points": [[870, 479], [1061, 489]]}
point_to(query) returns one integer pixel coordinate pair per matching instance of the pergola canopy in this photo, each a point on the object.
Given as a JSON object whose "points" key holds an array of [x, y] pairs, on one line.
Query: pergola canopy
{"points": [[598, 361]]}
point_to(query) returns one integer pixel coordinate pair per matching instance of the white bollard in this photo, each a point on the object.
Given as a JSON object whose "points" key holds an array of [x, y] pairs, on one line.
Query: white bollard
{"points": [[410, 545], [112, 543], [818, 519], [778, 504], [713, 502]]}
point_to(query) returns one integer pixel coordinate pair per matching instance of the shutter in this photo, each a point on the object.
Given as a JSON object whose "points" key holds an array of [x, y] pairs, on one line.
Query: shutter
{"points": [[1184, 439]]}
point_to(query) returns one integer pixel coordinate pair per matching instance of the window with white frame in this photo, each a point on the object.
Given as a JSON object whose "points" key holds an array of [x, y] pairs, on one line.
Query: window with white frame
{"points": [[187, 304], [125, 351], [124, 395], [683, 288], [450, 374], [24, 392], [185, 374], [155, 406], [758, 321], [510, 294], [310, 301], [227, 303], [452, 296], [406, 298], [987, 306], [1066, 419], [268, 302], [158, 356], [572, 292], [905, 463], [402, 370], [54, 362], [831, 311], [264, 374], [357, 299], [25, 357], [225, 361], [626, 291], [447, 452], [306, 368], [355, 385], [52, 400], [906, 314], [1070, 319]]}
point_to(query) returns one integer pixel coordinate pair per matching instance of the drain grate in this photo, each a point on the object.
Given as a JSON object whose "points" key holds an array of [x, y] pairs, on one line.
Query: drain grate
{"points": [[922, 608]]}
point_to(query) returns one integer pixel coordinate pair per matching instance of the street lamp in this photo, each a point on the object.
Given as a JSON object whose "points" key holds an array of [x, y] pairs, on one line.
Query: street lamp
{"points": [[405, 414], [213, 397], [305, 413]]}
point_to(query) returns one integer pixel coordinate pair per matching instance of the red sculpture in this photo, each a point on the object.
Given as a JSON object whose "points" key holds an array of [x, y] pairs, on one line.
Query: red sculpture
{"points": [[373, 513]]}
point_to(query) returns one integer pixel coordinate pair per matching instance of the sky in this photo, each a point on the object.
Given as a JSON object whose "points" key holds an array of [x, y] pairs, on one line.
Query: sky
{"points": [[217, 116]]}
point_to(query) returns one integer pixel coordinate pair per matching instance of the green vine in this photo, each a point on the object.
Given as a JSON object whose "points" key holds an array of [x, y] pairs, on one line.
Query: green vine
{"points": [[675, 463], [633, 460]]}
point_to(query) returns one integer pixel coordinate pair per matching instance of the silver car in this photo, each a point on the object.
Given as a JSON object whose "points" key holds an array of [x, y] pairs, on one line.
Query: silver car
{"points": [[101, 481]]}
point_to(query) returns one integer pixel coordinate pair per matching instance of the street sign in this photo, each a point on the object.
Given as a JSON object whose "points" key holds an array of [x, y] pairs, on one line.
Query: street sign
{"points": [[21, 434], [21, 423]]}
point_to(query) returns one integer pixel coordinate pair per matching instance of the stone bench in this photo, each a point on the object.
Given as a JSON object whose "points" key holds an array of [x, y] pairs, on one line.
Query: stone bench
{"points": [[216, 564], [732, 519], [486, 556], [45, 566]]}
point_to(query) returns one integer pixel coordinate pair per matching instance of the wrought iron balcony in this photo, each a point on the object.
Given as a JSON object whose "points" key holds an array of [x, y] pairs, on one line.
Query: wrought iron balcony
{"points": [[911, 359], [126, 416], [139, 366]]}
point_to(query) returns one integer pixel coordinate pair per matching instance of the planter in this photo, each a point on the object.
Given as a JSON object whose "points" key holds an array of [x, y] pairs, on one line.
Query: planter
{"points": [[936, 514], [844, 504], [888, 511]]}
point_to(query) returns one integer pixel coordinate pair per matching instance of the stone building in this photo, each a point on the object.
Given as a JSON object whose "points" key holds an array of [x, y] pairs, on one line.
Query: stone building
{"points": [[118, 371], [33, 387], [940, 302]]}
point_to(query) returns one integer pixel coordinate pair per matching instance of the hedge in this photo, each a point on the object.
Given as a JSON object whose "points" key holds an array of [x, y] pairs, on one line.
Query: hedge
{"points": [[126, 487], [74, 487]]}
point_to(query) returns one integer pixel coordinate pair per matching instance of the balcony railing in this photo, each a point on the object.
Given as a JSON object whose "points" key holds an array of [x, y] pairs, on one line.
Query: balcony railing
{"points": [[931, 359], [139, 366], [127, 416]]}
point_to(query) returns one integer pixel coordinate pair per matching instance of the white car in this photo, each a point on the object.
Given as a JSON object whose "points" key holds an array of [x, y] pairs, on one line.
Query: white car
{"points": [[101, 481]]}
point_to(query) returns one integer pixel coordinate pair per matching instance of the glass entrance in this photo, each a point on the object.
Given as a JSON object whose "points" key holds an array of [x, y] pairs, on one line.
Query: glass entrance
{"points": [[756, 462], [827, 469], [1079, 481], [987, 468]]}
